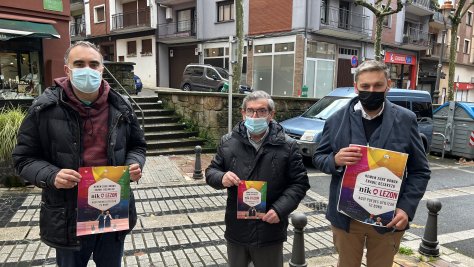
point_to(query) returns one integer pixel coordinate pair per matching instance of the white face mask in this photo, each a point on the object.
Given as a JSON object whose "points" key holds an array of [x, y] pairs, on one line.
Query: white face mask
{"points": [[86, 79]]}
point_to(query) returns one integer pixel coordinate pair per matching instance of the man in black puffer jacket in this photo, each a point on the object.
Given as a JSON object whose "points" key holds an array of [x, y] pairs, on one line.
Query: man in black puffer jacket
{"points": [[79, 122], [257, 149]]}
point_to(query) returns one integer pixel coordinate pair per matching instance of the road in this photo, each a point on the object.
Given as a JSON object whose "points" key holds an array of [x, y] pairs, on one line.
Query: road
{"points": [[453, 185]]}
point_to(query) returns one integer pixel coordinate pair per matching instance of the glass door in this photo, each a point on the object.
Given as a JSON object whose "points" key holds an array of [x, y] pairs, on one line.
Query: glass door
{"points": [[319, 77]]}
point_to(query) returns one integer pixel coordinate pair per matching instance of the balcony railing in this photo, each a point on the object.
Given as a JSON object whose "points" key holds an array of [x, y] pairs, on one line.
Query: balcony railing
{"points": [[436, 50], [184, 28], [422, 3], [77, 29], [133, 19], [416, 36], [438, 17], [344, 19]]}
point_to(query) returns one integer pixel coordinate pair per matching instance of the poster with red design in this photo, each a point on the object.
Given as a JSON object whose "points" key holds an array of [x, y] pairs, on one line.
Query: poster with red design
{"points": [[102, 200], [370, 189], [251, 199]]}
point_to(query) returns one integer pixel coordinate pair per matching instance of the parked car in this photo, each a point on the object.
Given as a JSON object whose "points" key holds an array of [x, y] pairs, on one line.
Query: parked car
{"points": [[138, 84], [205, 77], [308, 127]]}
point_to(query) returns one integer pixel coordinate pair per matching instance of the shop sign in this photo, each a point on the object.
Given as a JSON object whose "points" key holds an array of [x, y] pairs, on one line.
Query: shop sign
{"points": [[464, 86], [399, 58], [54, 5]]}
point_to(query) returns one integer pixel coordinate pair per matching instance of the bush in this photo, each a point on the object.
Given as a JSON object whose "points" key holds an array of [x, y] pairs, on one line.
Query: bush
{"points": [[10, 121]]}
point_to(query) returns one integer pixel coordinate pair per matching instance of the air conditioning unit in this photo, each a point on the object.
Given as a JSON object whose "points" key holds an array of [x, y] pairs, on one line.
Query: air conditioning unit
{"points": [[169, 13], [428, 53]]}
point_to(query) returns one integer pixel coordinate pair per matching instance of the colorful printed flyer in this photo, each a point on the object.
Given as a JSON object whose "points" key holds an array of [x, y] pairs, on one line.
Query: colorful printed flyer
{"points": [[102, 200], [251, 199], [370, 189]]}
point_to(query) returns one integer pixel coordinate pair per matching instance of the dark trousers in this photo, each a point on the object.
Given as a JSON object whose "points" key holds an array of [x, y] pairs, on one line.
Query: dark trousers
{"points": [[241, 256], [107, 251]]}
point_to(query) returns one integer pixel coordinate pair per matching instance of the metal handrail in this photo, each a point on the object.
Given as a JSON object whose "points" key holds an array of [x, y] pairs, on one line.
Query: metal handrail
{"points": [[129, 97]]}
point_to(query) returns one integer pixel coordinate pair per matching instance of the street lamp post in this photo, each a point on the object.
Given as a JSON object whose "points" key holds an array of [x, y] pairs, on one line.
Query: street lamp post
{"points": [[445, 10], [440, 64]]}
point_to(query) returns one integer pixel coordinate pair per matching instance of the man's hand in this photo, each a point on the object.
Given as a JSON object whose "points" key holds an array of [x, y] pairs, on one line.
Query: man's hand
{"points": [[66, 178], [230, 179], [400, 220], [135, 172], [348, 156], [271, 217]]}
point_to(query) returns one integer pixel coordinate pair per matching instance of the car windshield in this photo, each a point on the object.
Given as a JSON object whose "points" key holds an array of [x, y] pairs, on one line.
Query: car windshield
{"points": [[325, 107], [223, 73]]}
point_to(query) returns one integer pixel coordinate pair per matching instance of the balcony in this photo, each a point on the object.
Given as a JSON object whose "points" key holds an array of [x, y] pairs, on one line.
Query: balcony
{"points": [[415, 39], [131, 21], [76, 5], [343, 23], [174, 2], [177, 32], [77, 31], [420, 8], [434, 52], [436, 21]]}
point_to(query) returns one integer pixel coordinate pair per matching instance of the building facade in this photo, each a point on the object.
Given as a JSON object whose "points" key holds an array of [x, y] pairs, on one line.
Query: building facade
{"points": [[33, 39]]}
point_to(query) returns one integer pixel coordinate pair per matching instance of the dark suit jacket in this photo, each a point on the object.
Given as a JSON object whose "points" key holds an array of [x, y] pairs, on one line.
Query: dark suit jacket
{"points": [[398, 132]]}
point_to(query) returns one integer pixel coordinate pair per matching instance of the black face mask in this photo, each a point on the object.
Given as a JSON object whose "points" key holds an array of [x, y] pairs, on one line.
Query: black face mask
{"points": [[371, 100]]}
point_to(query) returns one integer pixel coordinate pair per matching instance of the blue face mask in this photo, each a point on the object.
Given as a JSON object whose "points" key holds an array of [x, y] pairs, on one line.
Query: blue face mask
{"points": [[256, 125], [86, 79]]}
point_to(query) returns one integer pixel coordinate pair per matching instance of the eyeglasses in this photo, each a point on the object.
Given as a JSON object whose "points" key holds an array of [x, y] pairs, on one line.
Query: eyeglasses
{"points": [[262, 112]]}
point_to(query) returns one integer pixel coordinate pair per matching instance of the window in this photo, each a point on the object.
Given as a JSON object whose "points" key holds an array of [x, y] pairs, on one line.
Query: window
{"points": [[284, 47], [469, 18], [99, 13], [198, 71], [467, 46], [457, 43], [387, 20], [121, 58], [211, 73], [147, 49], [184, 20], [348, 51], [225, 11], [259, 49], [131, 48]]}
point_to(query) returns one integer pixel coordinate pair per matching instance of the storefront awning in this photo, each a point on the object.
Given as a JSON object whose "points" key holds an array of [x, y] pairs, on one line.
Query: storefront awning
{"points": [[15, 28]]}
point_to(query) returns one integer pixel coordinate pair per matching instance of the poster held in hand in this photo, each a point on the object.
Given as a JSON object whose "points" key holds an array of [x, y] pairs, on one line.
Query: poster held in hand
{"points": [[370, 189], [251, 199], [103, 200]]}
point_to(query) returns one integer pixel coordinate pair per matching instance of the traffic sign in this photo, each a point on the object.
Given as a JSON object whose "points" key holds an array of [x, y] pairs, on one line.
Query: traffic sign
{"points": [[354, 61]]}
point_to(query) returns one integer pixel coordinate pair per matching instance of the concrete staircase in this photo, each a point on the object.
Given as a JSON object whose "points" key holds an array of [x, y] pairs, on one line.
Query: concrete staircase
{"points": [[164, 134]]}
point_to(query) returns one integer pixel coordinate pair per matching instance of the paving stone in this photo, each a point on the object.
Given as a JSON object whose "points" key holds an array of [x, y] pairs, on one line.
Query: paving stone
{"points": [[165, 221], [14, 233]]}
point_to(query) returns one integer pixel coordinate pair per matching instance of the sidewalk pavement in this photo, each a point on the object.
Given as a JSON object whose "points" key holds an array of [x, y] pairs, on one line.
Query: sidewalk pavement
{"points": [[181, 223]]}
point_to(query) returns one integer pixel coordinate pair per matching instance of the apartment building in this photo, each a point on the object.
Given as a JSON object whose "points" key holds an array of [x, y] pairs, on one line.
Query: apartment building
{"points": [[124, 30], [33, 39], [288, 44]]}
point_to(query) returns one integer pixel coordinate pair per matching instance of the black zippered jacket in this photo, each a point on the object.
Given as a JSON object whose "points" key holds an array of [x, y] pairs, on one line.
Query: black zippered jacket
{"points": [[49, 140], [278, 162]]}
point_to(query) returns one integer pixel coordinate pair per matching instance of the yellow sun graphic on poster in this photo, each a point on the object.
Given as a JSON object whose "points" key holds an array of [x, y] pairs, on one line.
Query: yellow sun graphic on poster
{"points": [[111, 173], [377, 158]]}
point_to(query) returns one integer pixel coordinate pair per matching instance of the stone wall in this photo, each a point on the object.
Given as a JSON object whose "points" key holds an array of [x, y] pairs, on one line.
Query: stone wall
{"points": [[208, 112]]}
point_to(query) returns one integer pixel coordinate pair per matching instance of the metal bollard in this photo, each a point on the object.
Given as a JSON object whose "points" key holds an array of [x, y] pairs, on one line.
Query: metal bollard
{"points": [[197, 164], [429, 243], [299, 221]]}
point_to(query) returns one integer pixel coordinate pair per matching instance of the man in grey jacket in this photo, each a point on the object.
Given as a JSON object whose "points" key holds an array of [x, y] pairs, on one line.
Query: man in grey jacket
{"points": [[370, 119], [258, 150]]}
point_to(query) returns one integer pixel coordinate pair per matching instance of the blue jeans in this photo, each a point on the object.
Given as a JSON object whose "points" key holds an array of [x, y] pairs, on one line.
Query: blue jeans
{"points": [[107, 251]]}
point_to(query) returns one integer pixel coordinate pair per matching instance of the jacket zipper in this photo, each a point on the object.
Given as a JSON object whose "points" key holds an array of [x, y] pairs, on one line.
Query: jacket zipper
{"points": [[110, 144]]}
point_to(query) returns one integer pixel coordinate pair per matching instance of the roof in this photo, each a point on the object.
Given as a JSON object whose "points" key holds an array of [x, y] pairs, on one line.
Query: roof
{"points": [[467, 106]]}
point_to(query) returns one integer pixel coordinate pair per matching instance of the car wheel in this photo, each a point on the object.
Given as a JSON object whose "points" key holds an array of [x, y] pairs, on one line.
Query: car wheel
{"points": [[186, 87]]}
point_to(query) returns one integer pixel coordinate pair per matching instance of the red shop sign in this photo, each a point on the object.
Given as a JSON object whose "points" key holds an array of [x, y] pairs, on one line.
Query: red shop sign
{"points": [[391, 57], [464, 86]]}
